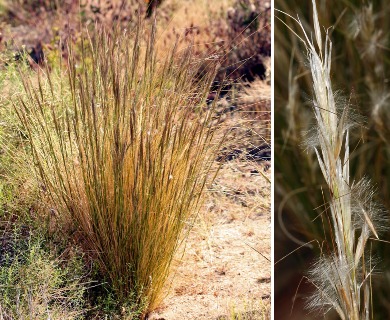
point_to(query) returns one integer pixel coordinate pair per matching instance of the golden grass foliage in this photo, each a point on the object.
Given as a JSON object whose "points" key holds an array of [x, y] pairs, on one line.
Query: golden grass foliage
{"points": [[124, 150]]}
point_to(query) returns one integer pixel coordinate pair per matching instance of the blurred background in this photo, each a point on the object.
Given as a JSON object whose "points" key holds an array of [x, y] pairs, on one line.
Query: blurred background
{"points": [[360, 70]]}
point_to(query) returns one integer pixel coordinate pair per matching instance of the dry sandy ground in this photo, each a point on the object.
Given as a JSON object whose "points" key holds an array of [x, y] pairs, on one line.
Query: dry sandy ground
{"points": [[224, 269]]}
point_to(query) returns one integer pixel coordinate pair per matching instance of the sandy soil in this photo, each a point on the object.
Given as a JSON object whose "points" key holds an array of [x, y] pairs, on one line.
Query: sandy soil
{"points": [[224, 270]]}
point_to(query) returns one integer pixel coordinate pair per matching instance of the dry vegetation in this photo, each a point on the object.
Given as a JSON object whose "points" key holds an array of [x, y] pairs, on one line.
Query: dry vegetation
{"points": [[325, 205], [134, 164]]}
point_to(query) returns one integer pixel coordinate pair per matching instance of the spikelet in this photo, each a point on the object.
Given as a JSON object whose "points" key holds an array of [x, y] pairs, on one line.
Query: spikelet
{"points": [[340, 275]]}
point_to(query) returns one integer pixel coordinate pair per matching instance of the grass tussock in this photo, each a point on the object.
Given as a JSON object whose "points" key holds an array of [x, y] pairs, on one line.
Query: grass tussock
{"points": [[124, 150], [343, 271]]}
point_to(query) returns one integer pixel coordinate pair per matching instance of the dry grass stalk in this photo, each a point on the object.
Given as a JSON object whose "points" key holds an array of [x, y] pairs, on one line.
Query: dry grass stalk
{"points": [[342, 276]]}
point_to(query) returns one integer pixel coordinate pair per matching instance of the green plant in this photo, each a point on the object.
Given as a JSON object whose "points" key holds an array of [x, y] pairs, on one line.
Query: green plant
{"points": [[34, 284], [16, 191], [125, 150]]}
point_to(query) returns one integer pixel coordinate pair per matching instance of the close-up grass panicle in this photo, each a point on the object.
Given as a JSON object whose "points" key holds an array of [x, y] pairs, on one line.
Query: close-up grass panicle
{"points": [[341, 274]]}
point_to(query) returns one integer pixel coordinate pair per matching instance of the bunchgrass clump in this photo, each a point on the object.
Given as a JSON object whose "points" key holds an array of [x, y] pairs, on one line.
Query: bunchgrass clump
{"points": [[124, 149]]}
